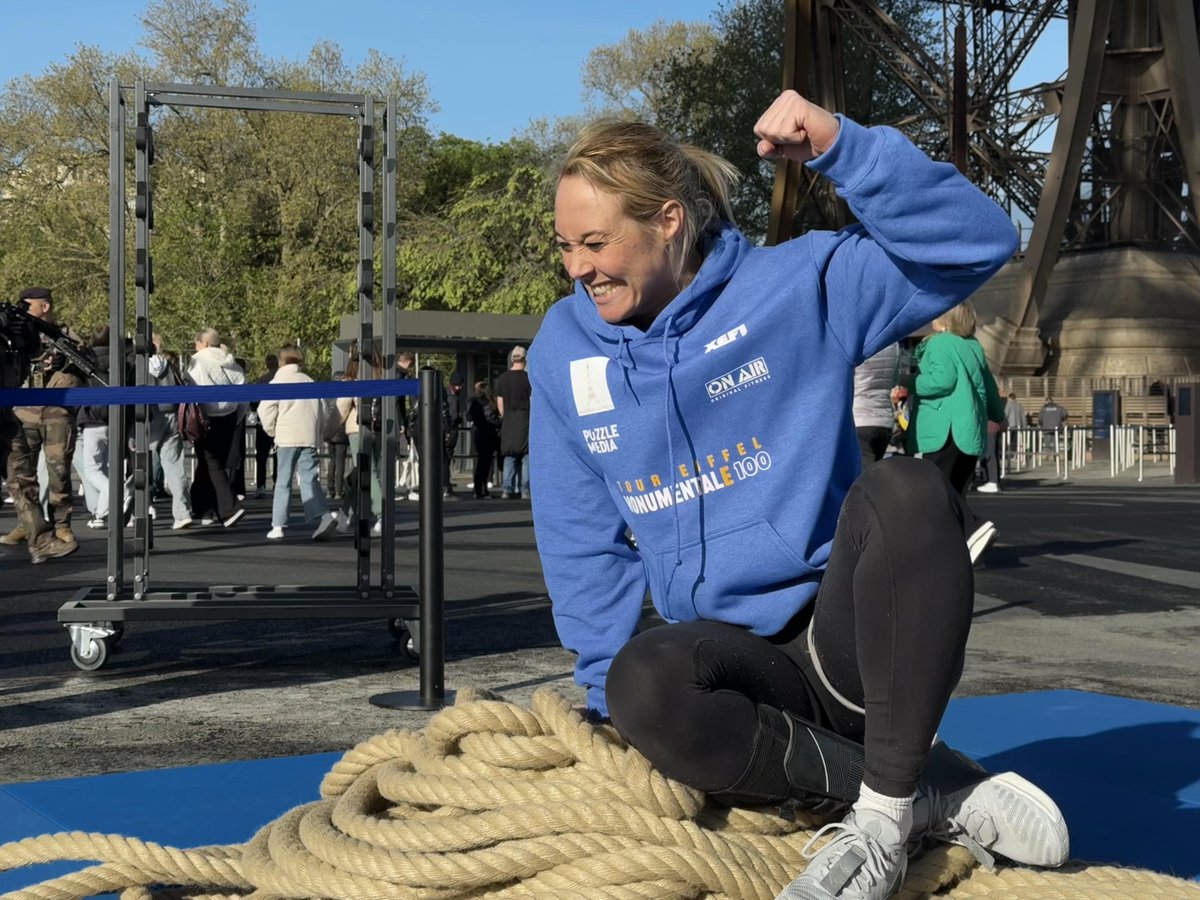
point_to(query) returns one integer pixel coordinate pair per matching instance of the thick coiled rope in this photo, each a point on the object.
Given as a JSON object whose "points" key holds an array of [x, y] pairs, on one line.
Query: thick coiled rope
{"points": [[499, 801]]}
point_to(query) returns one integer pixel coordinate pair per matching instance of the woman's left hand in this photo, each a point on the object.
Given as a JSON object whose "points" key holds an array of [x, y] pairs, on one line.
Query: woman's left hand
{"points": [[793, 128]]}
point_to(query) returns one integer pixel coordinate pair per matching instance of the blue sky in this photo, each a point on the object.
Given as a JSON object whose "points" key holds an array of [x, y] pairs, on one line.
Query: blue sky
{"points": [[492, 66]]}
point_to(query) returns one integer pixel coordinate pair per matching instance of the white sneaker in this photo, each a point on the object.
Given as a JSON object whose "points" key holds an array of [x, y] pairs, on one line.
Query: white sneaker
{"points": [[97, 522], [208, 521], [325, 527], [1003, 814], [182, 524], [345, 524], [990, 488], [979, 541], [275, 534], [414, 495], [866, 860], [377, 529]]}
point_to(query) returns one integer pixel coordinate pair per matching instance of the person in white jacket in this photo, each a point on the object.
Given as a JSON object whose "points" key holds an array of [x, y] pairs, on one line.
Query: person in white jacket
{"points": [[297, 427], [216, 453]]}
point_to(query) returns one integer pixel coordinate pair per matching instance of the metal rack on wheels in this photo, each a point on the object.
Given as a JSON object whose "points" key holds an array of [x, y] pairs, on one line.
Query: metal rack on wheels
{"points": [[95, 617]]}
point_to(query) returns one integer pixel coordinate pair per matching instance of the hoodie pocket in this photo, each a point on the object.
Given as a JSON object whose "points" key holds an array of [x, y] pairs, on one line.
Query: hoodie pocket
{"points": [[726, 572]]}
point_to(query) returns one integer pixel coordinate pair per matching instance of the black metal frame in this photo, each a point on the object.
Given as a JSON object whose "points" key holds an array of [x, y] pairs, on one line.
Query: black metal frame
{"points": [[92, 619]]}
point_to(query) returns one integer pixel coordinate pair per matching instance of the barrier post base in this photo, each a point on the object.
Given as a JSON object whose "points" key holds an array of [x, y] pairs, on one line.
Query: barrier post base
{"points": [[412, 701]]}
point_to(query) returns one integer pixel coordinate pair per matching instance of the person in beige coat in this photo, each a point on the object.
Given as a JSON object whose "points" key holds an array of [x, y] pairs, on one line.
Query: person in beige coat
{"points": [[297, 427]]}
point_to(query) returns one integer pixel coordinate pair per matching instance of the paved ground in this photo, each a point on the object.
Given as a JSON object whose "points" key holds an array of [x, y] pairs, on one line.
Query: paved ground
{"points": [[1093, 585]]}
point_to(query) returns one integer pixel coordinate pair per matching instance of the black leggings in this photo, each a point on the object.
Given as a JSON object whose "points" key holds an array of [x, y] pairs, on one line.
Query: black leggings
{"points": [[700, 699]]}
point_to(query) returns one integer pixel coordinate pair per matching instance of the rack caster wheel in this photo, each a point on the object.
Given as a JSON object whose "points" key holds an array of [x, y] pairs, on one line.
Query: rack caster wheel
{"points": [[93, 656], [116, 632], [405, 631]]}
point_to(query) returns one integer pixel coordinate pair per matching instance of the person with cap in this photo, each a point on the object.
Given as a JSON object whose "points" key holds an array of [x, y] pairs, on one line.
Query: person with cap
{"points": [[512, 399], [49, 430]]}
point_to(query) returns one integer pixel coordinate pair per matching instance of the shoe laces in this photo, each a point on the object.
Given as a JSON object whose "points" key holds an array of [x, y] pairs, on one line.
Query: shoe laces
{"points": [[945, 824], [876, 863]]}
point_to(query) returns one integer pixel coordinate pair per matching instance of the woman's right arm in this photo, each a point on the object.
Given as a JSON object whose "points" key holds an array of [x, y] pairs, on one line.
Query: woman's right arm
{"points": [[937, 375], [597, 581]]}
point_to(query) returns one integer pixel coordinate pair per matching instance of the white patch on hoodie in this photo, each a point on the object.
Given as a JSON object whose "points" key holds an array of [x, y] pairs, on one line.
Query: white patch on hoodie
{"points": [[589, 383]]}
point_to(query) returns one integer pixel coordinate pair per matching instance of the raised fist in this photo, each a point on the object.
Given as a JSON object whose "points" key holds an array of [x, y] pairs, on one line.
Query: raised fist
{"points": [[792, 128]]}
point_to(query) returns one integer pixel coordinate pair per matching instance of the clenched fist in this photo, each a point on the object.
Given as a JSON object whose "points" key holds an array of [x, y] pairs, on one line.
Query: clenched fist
{"points": [[792, 128]]}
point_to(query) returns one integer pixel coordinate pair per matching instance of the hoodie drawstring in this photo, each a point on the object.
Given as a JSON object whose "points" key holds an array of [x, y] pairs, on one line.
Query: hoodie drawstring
{"points": [[668, 396], [622, 341]]}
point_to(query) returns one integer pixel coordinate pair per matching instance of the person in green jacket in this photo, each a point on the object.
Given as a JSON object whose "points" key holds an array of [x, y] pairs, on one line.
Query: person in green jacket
{"points": [[955, 397]]}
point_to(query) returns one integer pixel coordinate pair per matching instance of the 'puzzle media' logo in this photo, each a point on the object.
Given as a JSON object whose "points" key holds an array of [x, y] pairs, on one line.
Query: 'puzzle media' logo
{"points": [[752, 373]]}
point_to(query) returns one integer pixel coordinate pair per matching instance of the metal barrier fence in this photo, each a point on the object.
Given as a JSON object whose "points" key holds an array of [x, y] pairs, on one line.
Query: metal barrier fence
{"points": [[1072, 447]]}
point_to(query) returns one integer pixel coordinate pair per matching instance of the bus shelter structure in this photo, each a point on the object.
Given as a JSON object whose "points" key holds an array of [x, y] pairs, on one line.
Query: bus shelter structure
{"points": [[95, 617]]}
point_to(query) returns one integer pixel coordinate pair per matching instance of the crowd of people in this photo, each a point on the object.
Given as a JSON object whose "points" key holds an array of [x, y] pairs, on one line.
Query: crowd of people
{"points": [[290, 439]]}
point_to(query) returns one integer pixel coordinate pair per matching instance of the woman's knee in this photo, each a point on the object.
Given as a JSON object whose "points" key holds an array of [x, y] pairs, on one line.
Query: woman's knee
{"points": [[651, 669], [907, 487]]}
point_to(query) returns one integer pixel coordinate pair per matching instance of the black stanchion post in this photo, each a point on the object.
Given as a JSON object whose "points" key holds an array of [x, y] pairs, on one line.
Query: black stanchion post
{"points": [[432, 645]]}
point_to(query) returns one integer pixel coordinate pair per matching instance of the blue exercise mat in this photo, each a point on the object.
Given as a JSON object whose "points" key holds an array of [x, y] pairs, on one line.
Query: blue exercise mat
{"points": [[1126, 774]]}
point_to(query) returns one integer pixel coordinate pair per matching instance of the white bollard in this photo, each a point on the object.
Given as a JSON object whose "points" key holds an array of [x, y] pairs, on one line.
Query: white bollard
{"points": [[1112, 451]]}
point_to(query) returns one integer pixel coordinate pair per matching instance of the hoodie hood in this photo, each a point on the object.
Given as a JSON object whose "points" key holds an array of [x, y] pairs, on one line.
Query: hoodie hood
{"points": [[723, 251], [214, 358]]}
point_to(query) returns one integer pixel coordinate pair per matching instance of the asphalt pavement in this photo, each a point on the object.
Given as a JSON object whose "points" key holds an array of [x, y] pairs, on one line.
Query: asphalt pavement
{"points": [[1094, 584]]}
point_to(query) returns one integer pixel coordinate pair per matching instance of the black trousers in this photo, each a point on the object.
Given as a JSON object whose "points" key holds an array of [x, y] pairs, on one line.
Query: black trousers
{"points": [[959, 468], [216, 459], [889, 625], [263, 443], [872, 443], [337, 467], [483, 470]]}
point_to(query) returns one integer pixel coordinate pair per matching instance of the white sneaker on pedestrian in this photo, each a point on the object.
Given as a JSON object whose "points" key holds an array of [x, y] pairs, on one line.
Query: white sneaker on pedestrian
{"points": [[414, 495], [97, 522], [990, 488], [275, 534], [325, 527], [979, 541], [345, 524], [208, 521], [866, 860], [1002, 814], [377, 529], [235, 516], [182, 524]]}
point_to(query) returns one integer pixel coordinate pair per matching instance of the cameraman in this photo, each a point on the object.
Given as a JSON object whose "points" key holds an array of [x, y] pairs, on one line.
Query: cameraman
{"points": [[49, 429]]}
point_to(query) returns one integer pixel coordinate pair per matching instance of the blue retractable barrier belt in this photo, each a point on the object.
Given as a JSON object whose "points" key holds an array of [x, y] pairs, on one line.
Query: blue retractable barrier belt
{"points": [[236, 393]]}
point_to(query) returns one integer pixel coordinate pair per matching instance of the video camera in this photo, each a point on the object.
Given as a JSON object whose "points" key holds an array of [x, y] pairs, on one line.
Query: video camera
{"points": [[22, 337]]}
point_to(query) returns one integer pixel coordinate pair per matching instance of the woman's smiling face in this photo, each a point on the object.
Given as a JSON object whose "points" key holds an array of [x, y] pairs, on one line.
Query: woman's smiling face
{"points": [[626, 266]]}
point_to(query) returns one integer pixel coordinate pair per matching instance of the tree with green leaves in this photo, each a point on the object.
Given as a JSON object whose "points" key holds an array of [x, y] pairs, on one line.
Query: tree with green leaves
{"points": [[709, 85], [481, 237]]}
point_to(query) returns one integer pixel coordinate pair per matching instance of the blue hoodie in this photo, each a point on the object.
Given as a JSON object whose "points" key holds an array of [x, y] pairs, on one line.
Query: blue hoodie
{"points": [[722, 437]]}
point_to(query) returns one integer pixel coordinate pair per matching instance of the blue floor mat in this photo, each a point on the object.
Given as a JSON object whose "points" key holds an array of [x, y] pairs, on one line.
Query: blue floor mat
{"points": [[1126, 774]]}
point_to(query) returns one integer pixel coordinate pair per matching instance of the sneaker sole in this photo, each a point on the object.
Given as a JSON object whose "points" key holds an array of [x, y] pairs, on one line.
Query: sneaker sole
{"points": [[1038, 833], [235, 518], [980, 541]]}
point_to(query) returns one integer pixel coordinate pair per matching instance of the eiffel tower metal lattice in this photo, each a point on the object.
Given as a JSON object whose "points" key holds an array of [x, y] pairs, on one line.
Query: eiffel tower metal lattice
{"points": [[1124, 118]]}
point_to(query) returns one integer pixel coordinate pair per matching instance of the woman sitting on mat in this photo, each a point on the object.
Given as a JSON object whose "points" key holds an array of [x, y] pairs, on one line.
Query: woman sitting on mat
{"points": [[816, 625]]}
